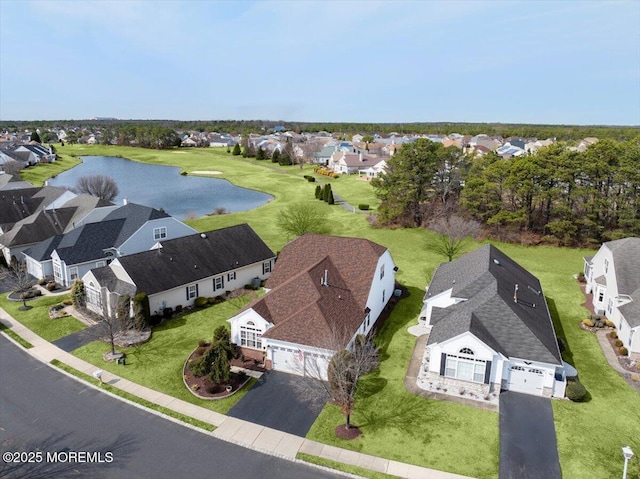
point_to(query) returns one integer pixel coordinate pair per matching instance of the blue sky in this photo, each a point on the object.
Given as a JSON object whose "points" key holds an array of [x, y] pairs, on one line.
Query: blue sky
{"points": [[471, 61]]}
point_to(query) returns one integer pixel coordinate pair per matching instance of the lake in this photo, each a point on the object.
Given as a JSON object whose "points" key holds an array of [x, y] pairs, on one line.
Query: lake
{"points": [[163, 187]]}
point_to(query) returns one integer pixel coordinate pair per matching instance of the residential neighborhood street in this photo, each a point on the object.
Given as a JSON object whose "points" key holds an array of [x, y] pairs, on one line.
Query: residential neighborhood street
{"points": [[65, 415]]}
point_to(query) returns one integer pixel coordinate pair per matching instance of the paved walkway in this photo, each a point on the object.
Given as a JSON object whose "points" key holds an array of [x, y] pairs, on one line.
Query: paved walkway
{"points": [[237, 431]]}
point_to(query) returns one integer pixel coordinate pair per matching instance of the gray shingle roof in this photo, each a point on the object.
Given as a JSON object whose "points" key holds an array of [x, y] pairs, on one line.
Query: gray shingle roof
{"points": [[106, 278], [213, 252], [135, 216], [88, 242], [626, 259], [486, 278]]}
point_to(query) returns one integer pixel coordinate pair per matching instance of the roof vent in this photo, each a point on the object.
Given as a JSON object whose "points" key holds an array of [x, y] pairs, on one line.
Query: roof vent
{"points": [[203, 236], [496, 261], [195, 266]]}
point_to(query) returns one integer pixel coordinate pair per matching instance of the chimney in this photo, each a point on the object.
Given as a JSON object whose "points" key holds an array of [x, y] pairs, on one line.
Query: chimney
{"points": [[360, 156], [324, 281], [125, 201]]}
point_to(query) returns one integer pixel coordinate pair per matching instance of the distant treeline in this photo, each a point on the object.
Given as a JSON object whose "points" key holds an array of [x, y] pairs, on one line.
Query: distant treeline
{"points": [[560, 132]]}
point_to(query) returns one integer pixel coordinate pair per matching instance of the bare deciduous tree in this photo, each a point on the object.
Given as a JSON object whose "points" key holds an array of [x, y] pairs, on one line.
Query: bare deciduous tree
{"points": [[344, 371], [19, 281], [102, 186], [111, 322], [452, 235]]}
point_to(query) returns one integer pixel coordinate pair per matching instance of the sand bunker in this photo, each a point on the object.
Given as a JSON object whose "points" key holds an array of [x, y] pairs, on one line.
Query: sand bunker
{"points": [[206, 172]]}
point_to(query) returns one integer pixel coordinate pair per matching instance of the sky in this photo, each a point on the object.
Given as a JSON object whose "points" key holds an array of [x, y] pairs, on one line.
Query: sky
{"points": [[544, 62]]}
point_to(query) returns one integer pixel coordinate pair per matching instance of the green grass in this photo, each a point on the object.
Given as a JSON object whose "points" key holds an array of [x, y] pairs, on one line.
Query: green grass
{"points": [[37, 318], [396, 424], [359, 471], [15, 337], [158, 363], [130, 397], [37, 175]]}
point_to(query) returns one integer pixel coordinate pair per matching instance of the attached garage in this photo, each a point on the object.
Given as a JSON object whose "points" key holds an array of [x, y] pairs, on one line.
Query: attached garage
{"points": [[523, 379], [298, 361]]}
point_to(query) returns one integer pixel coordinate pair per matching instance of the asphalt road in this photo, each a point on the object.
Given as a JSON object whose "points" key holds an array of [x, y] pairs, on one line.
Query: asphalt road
{"points": [[43, 410]]}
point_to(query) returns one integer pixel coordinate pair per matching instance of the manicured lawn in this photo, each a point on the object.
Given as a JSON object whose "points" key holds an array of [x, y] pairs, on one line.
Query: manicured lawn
{"points": [[396, 424], [37, 175], [37, 318], [158, 364]]}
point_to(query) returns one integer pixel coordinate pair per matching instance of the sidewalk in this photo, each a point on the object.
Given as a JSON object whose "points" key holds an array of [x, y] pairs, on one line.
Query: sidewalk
{"points": [[243, 433]]}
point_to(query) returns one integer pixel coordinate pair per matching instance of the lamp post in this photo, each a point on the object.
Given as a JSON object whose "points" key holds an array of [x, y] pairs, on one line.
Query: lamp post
{"points": [[628, 454]]}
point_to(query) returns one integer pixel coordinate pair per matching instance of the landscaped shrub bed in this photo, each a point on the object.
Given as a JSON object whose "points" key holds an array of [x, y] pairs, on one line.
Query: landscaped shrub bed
{"points": [[323, 171]]}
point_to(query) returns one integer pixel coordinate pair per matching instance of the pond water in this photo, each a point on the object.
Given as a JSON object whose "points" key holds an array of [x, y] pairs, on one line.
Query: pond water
{"points": [[163, 187]]}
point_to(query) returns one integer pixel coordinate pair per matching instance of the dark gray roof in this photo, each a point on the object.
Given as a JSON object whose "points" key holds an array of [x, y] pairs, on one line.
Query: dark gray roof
{"points": [[88, 242], [486, 278], [135, 216], [42, 251], [106, 278], [191, 258], [626, 260], [38, 227]]}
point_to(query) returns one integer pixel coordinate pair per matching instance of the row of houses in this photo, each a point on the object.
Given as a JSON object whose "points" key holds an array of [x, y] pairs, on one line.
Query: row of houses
{"points": [[487, 318]]}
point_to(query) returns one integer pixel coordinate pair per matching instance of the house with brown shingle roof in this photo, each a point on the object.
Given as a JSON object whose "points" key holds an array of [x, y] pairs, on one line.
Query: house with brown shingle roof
{"points": [[322, 293], [352, 163]]}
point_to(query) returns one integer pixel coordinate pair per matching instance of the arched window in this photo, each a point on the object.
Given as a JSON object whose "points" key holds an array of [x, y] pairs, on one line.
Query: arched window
{"points": [[466, 351]]}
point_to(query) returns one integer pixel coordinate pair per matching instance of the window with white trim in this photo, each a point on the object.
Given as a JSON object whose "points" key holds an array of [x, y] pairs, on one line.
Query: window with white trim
{"points": [[382, 271], [160, 233], [231, 276], [192, 291], [100, 264], [93, 295], [218, 283], [610, 306], [466, 369], [600, 296], [57, 272], [250, 336], [266, 267], [606, 265], [73, 273]]}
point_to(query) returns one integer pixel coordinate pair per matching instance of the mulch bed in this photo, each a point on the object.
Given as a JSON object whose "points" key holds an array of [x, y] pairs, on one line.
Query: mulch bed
{"points": [[624, 361], [348, 434], [207, 389]]}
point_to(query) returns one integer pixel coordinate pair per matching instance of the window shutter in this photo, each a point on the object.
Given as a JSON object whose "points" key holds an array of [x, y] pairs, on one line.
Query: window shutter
{"points": [[222, 282], [487, 372], [197, 291], [187, 293], [443, 363]]}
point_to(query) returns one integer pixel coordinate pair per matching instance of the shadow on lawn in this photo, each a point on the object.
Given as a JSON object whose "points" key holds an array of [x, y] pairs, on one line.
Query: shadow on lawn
{"points": [[401, 416], [405, 310], [557, 324]]}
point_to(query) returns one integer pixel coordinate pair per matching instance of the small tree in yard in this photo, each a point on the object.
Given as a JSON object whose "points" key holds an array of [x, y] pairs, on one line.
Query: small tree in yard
{"points": [[141, 310], [19, 281], [301, 218], [220, 354], [109, 324], [452, 235], [78, 295], [236, 150], [346, 368]]}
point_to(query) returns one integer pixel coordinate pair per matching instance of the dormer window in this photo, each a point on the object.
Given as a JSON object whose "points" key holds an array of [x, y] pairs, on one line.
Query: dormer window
{"points": [[159, 233]]}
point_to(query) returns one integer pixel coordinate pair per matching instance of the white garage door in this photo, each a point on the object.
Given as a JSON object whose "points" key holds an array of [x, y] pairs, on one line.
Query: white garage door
{"points": [[302, 363], [284, 360], [526, 380]]}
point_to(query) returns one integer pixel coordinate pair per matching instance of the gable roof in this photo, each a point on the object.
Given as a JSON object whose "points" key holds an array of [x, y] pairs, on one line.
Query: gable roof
{"points": [[191, 258], [89, 242], [305, 311], [514, 322], [626, 258], [135, 216], [107, 278]]}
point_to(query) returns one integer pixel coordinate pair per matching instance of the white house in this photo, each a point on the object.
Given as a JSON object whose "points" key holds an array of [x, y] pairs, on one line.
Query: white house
{"points": [[352, 163], [324, 291], [613, 277], [489, 329], [128, 229], [177, 271]]}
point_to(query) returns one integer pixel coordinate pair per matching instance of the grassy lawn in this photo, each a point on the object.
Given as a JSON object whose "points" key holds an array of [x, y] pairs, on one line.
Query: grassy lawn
{"points": [[18, 339], [37, 318], [158, 363], [396, 424], [37, 175], [359, 471]]}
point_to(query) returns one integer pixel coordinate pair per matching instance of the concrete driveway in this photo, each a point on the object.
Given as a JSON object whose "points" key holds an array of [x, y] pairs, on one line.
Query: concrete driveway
{"points": [[275, 402], [528, 448]]}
